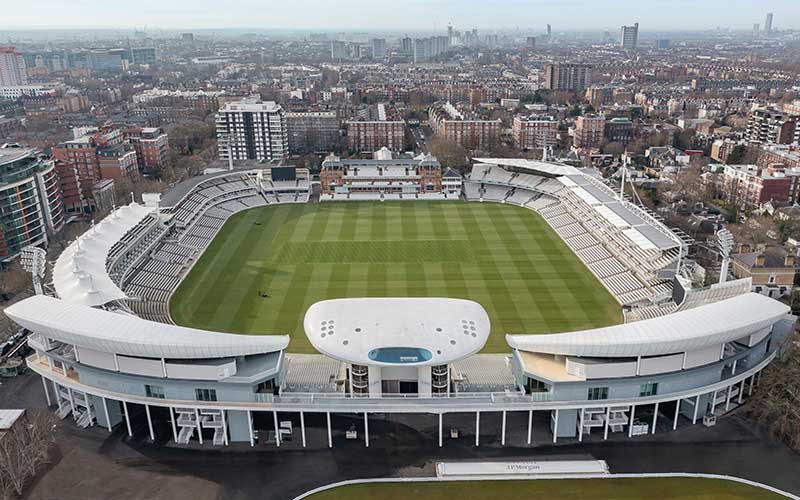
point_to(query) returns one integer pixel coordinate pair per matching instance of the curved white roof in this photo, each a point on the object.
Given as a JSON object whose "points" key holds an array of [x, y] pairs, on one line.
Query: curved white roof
{"points": [[689, 330], [397, 331], [539, 166], [111, 332], [79, 274]]}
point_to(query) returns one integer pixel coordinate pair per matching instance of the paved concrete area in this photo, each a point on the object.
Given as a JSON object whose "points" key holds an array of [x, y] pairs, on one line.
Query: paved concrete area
{"points": [[96, 464]]}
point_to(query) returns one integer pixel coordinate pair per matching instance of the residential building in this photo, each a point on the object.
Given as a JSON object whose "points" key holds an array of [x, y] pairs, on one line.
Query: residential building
{"points": [[379, 127], [535, 131], [772, 270], [750, 186], [312, 131], [589, 131], [629, 37], [468, 130], [767, 125], [426, 49], [619, 130], [152, 148], [566, 76], [338, 50], [84, 161], [116, 162], [30, 199], [252, 129], [599, 96], [12, 68], [778, 157], [18, 91], [721, 148], [378, 46]]}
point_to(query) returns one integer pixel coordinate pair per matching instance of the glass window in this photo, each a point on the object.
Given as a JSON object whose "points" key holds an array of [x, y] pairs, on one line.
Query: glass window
{"points": [[154, 391], [205, 394], [598, 393], [648, 389]]}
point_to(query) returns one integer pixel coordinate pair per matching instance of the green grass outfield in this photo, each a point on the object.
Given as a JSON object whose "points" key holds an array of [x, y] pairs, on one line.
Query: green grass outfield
{"points": [[561, 489], [504, 257]]}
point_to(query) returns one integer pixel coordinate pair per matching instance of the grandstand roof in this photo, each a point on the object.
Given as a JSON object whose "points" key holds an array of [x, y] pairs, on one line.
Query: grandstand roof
{"points": [[180, 190], [639, 228], [690, 330], [395, 331], [538, 166], [124, 334], [79, 274]]}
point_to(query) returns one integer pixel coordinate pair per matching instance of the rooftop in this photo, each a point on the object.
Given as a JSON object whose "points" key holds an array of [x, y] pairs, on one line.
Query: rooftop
{"points": [[393, 331], [691, 330], [112, 332]]}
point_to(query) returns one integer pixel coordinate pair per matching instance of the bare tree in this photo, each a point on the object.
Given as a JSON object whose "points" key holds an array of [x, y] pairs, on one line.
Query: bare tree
{"points": [[13, 279], [776, 403], [24, 449], [448, 153], [756, 231]]}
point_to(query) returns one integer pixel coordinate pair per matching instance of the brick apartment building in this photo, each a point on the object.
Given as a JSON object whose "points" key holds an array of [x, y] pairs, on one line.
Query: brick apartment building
{"points": [[468, 131], [382, 127], [589, 131], [83, 162], [750, 186], [535, 131], [152, 148], [313, 131]]}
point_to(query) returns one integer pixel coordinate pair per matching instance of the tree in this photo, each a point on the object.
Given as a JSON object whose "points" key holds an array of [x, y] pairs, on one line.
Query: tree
{"points": [[24, 449], [449, 154], [685, 140], [742, 155], [736, 156], [776, 401], [14, 279], [756, 231], [687, 186]]}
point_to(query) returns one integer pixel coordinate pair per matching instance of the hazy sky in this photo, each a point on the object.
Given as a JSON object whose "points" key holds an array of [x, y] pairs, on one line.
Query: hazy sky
{"points": [[396, 14]]}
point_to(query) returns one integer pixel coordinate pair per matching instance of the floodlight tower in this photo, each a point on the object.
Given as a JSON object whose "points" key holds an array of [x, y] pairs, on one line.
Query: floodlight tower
{"points": [[725, 244], [34, 261], [231, 141]]}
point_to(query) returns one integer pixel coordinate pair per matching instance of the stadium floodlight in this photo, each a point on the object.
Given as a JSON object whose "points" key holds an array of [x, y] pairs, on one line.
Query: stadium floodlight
{"points": [[725, 244], [231, 141], [33, 260]]}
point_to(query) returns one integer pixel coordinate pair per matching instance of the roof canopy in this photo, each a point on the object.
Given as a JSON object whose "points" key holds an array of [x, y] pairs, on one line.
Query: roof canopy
{"points": [[538, 166], [79, 274], [689, 330], [117, 333], [393, 331]]}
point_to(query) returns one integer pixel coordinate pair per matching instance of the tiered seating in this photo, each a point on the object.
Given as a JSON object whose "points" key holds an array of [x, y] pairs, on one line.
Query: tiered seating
{"points": [[489, 372], [131, 249], [494, 193], [311, 373], [198, 217], [472, 190], [715, 293], [541, 202], [593, 222]]}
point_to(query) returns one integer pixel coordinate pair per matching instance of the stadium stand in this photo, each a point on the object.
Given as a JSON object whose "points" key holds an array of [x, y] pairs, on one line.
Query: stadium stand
{"points": [[151, 260], [628, 249]]}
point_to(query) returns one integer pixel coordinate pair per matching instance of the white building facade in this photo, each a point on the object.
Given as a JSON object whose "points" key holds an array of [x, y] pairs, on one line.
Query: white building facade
{"points": [[252, 129]]}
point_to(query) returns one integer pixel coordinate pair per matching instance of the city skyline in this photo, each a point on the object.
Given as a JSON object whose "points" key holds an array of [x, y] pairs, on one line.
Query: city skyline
{"points": [[352, 14]]}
